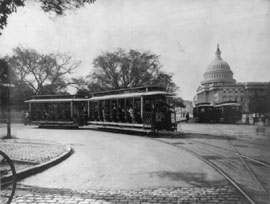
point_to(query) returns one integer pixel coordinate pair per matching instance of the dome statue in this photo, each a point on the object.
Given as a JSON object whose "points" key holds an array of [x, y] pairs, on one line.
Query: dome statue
{"points": [[218, 71]]}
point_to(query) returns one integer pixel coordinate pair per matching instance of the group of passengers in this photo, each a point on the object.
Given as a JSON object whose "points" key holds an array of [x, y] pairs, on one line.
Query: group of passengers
{"points": [[119, 115], [132, 114], [158, 116], [49, 115]]}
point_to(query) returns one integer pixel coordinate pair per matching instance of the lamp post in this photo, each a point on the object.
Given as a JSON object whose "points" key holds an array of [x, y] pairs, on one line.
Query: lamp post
{"points": [[8, 110]]}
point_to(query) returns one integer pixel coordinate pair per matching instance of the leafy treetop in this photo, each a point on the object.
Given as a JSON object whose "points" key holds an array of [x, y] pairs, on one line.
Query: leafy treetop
{"points": [[122, 69], [59, 7]]}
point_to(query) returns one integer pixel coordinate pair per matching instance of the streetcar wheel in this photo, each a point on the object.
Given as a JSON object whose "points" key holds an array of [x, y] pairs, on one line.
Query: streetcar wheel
{"points": [[7, 179]]}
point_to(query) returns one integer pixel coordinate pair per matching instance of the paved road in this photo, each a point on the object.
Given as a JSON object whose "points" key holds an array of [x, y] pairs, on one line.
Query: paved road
{"points": [[120, 168], [222, 144], [248, 132], [105, 160], [253, 141]]}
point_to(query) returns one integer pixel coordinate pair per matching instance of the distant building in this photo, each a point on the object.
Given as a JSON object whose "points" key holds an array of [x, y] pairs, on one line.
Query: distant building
{"points": [[218, 85], [188, 106], [182, 111]]}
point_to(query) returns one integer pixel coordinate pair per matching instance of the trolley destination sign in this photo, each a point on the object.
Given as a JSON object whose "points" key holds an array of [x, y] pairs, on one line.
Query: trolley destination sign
{"points": [[7, 85]]}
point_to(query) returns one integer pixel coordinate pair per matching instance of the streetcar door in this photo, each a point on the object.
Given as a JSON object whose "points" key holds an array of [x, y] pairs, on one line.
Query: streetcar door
{"points": [[148, 112]]}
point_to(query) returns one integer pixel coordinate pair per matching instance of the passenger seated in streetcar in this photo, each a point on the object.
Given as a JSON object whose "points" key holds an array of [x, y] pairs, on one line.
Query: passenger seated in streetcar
{"points": [[37, 115], [103, 115], [121, 115], [114, 114], [137, 115], [131, 115], [46, 115]]}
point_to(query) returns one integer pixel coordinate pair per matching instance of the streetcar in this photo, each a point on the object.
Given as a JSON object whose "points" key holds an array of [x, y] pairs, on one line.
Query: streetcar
{"points": [[58, 110], [225, 112], [228, 112], [204, 113], [147, 109]]}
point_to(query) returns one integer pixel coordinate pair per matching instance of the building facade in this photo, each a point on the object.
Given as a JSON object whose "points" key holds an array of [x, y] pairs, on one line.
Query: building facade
{"points": [[218, 85]]}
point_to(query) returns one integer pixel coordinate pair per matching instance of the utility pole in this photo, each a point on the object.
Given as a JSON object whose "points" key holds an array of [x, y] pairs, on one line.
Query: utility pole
{"points": [[5, 82], [8, 110]]}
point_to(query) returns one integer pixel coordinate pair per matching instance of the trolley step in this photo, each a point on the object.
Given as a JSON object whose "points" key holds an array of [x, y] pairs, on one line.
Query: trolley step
{"points": [[58, 124]]}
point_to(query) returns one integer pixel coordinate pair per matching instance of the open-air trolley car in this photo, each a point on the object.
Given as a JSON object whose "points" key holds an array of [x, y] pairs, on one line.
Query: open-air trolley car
{"points": [[57, 110], [147, 109]]}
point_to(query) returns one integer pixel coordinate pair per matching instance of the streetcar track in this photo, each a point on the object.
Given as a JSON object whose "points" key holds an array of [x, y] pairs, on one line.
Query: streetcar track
{"points": [[237, 153], [241, 157], [234, 150], [253, 174], [258, 179], [213, 165]]}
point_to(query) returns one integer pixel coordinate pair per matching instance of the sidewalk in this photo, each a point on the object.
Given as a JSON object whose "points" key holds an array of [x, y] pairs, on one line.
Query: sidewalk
{"points": [[31, 157]]}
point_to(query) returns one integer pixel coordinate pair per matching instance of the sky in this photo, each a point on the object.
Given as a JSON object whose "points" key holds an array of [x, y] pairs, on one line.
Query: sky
{"points": [[184, 33]]}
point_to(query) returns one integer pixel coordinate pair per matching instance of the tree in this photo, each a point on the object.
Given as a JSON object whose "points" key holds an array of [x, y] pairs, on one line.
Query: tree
{"points": [[81, 84], [178, 102], [19, 93], [44, 74], [164, 79], [138, 69], [59, 7], [121, 69]]}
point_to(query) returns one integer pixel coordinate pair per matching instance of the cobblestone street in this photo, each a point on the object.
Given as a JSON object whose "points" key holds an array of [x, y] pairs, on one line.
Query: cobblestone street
{"points": [[203, 195], [163, 174]]}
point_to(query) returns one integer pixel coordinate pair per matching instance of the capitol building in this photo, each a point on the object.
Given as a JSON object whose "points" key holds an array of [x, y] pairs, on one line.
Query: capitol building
{"points": [[218, 85]]}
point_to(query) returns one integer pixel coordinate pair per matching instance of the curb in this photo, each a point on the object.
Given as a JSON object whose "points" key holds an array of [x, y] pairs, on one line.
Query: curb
{"points": [[41, 167]]}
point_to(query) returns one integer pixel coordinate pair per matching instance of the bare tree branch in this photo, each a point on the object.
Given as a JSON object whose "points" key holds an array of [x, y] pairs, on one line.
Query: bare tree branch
{"points": [[40, 71]]}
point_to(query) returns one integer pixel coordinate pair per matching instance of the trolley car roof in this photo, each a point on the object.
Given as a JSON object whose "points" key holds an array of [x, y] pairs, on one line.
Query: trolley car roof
{"points": [[203, 105], [228, 104], [97, 98], [128, 95], [55, 100]]}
